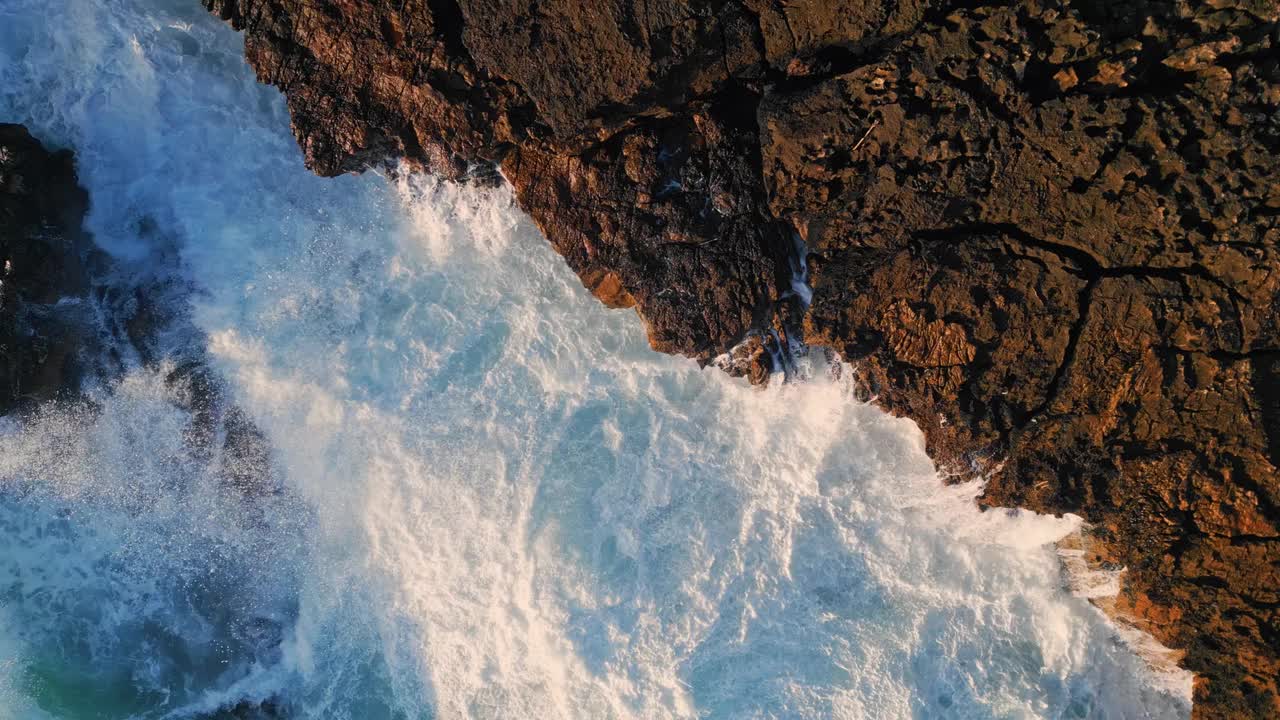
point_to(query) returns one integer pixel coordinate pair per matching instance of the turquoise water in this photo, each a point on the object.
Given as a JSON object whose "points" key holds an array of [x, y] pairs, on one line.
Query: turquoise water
{"points": [[487, 497]]}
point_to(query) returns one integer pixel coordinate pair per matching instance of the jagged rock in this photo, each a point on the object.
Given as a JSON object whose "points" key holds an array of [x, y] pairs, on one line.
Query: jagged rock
{"points": [[1046, 231], [42, 261]]}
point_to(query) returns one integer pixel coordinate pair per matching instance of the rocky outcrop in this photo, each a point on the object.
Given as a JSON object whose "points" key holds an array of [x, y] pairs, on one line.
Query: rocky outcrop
{"points": [[1046, 231], [42, 263], [51, 274]]}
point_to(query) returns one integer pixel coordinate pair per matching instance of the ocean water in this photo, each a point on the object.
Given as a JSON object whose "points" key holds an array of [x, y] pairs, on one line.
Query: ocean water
{"points": [[485, 497]]}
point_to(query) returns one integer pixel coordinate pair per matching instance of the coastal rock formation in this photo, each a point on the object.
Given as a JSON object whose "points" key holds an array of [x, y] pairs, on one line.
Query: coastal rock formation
{"points": [[42, 261], [1049, 232]]}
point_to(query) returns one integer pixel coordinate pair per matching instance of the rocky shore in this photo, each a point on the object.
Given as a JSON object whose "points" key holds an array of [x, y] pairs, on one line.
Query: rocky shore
{"points": [[1048, 232]]}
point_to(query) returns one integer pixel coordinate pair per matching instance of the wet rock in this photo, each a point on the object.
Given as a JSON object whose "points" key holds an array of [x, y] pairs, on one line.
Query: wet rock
{"points": [[249, 710], [43, 257], [1046, 231], [222, 434]]}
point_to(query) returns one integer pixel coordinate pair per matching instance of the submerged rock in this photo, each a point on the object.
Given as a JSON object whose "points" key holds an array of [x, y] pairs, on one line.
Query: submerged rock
{"points": [[43, 254], [222, 434], [1049, 232]]}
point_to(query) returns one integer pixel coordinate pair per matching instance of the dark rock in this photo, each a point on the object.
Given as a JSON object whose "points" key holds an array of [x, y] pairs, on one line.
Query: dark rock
{"points": [[248, 710], [43, 256], [1047, 231], [221, 433]]}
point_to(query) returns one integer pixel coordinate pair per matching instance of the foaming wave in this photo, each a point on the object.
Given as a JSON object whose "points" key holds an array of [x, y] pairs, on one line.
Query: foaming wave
{"points": [[131, 578], [561, 523], [498, 502]]}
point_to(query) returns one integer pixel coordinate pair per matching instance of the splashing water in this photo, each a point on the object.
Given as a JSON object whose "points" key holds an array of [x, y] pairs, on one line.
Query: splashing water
{"points": [[497, 502]]}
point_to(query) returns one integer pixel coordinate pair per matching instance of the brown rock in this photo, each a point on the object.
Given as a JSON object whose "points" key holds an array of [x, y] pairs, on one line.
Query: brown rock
{"points": [[1066, 79], [608, 289]]}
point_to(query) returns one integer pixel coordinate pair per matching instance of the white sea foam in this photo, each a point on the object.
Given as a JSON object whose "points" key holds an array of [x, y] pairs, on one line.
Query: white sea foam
{"points": [[500, 503]]}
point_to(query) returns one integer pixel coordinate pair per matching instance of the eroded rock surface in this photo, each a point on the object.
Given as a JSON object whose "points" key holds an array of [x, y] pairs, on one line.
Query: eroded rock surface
{"points": [[1046, 231]]}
